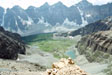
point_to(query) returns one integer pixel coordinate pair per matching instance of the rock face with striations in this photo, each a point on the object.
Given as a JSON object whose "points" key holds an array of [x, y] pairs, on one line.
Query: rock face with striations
{"points": [[101, 41], [10, 45]]}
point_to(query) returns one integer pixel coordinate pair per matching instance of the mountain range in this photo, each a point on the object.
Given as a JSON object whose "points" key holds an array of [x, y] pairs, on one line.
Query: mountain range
{"points": [[52, 18], [100, 25]]}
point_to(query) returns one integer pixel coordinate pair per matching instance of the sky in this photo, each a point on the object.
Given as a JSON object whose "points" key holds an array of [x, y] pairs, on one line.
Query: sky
{"points": [[37, 3]]}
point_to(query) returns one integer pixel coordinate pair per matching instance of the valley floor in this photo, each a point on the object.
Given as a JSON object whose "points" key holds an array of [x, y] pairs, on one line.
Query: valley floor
{"points": [[35, 55], [36, 61], [92, 68]]}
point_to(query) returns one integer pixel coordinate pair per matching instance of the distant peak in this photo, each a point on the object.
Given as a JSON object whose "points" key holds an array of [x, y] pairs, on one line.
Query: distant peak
{"points": [[31, 7], [46, 3], [16, 7], [84, 3], [84, 0], [59, 4]]}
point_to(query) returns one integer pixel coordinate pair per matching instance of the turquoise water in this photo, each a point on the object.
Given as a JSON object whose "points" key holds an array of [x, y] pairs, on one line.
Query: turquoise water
{"points": [[71, 53]]}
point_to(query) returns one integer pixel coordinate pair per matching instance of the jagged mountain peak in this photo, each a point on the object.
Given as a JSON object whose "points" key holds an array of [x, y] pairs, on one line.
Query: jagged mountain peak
{"points": [[84, 3], [17, 7], [31, 8], [59, 4], [46, 4]]}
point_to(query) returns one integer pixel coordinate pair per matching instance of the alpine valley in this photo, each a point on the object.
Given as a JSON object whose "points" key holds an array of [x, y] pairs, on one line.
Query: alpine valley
{"points": [[32, 39]]}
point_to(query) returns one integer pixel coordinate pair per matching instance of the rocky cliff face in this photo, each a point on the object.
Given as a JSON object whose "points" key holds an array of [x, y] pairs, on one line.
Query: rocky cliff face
{"points": [[101, 25], [10, 45], [96, 43], [101, 41]]}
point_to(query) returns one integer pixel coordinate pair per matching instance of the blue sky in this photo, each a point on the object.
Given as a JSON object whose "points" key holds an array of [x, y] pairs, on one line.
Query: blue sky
{"points": [[25, 3]]}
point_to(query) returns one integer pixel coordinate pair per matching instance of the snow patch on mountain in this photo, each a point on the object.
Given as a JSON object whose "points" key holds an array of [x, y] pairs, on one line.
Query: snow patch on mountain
{"points": [[42, 21], [84, 22], [3, 17], [70, 23], [30, 21], [65, 27], [44, 27], [37, 28], [88, 15], [18, 29], [26, 22]]}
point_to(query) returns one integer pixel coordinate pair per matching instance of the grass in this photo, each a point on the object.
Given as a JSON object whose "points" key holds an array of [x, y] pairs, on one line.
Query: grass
{"points": [[54, 45], [46, 43], [108, 71], [37, 38]]}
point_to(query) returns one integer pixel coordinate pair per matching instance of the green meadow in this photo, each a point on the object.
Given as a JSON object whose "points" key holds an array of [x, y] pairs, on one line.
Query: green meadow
{"points": [[46, 43]]}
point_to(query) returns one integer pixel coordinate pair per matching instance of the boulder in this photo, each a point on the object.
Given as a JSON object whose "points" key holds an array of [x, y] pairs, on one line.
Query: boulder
{"points": [[65, 67]]}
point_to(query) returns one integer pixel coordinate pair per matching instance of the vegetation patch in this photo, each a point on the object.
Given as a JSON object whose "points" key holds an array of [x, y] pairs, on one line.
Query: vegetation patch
{"points": [[46, 43]]}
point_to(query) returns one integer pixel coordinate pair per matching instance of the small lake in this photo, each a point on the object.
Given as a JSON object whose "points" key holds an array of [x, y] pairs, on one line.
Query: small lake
{"points": [[71, 53]]}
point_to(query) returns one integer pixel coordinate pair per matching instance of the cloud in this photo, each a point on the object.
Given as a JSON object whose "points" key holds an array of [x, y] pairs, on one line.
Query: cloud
{"points": [[37, 3]]}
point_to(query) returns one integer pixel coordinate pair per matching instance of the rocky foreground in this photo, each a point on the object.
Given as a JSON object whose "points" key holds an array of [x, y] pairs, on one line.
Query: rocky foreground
{"points": [[12, 67], [63, 67]]}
